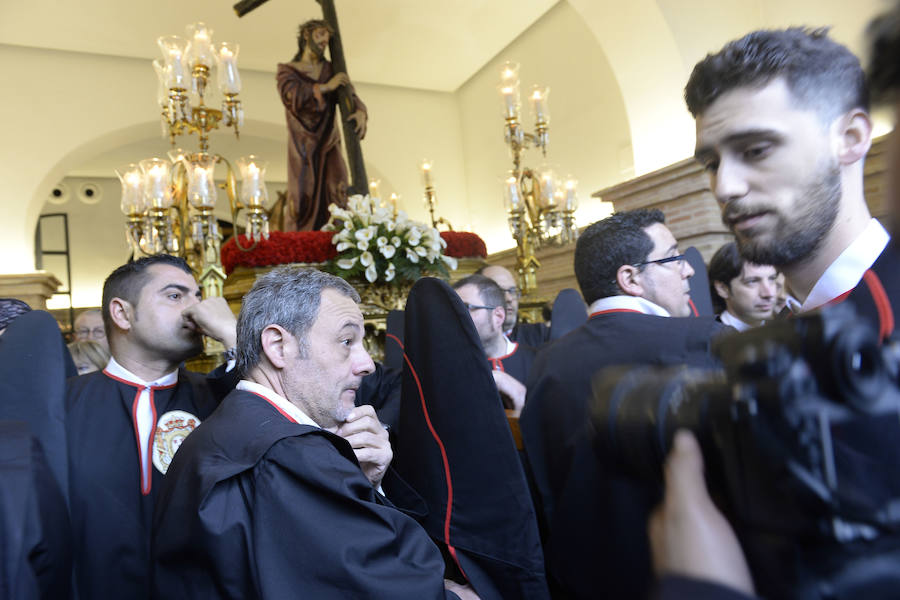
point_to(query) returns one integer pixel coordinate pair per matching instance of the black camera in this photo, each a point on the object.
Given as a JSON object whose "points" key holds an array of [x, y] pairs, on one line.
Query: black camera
{"points": [[800, 432]]}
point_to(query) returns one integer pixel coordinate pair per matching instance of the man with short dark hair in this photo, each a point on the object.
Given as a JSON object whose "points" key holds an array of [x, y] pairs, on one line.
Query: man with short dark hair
{"points": [[692, 542], [277, 494], [510, 361], [124, 423], [743, 293], [530, 334], [635, 280], [783, 129]]}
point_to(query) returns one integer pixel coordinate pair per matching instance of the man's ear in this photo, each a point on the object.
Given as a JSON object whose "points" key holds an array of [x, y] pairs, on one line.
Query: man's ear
{"points": [[629, 279], [122, 313], [498, 315], [275, 340], [722, 290], [854, 136]]}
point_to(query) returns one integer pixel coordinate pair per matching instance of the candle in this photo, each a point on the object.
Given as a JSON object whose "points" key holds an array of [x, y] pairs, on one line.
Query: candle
{"points": [[509, 102], [373, 188], [394, 199], [539, 104], [426, 173]]}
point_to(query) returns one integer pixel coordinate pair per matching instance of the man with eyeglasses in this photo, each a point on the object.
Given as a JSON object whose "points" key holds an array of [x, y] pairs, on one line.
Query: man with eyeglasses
{"points": [[510, 361], [89, 327], [636, 283], [530, 334]]}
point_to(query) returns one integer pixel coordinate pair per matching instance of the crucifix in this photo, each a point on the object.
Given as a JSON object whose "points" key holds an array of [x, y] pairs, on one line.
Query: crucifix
{"points": [[359, 183]]}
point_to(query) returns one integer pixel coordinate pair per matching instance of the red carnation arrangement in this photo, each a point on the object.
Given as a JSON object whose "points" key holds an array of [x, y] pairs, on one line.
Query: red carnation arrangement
{"points": [[462, 244], [315, 247], [281, 247]]}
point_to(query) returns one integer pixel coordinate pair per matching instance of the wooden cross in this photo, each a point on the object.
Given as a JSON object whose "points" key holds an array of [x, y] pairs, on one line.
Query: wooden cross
{"points": [[359, 183]]}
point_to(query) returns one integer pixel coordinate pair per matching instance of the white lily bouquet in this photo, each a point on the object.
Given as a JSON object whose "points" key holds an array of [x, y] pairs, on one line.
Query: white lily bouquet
{"points": [[373, 243]]}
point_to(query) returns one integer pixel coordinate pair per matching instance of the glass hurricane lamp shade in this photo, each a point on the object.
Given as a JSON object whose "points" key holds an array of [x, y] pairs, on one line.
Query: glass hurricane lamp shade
{"points": [[539, 105], [132, 189], [512, 194], [200, 50], [548, 187], [510, 101], [201, 189], [253, 185], [174, 50], [509, 74], [571, 202], [227, 72], [157, 175], [162, 92]]}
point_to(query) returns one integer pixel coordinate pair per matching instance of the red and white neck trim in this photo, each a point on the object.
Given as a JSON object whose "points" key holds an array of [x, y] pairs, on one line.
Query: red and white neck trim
{"points": [[143, 413], [627, 304], [845, 273], [290, 411]]}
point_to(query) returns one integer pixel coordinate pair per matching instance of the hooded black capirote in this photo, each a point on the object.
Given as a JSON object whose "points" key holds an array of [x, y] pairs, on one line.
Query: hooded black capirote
{"points": [[457, 450]]}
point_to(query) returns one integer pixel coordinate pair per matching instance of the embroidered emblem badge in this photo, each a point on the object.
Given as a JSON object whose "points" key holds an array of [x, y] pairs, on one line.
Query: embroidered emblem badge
{"points": [[171, 429]]}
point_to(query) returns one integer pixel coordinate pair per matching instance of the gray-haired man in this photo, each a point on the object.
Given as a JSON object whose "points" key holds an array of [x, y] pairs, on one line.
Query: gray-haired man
{"points": [[276, 494]]}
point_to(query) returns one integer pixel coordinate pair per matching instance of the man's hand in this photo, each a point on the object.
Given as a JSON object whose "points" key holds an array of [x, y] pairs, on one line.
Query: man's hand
{"points": [[511, 387], [335, 82], [369, 440], [688, 534], [361, 119], [213, 317], [465, 592]]}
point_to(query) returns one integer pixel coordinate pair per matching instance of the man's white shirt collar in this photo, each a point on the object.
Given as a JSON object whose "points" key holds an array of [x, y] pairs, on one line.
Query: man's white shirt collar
{"points": [[117, 370], [280, 401], [510, 345], [729, 319], [847, 270], [641, 305]]}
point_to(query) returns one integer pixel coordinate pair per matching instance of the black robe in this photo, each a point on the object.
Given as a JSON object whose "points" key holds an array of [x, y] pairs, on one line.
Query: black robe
{"points": [[34, 365], [456, 450], [35, 538], [111, 517], [257, 506], [865, 296], [530, 334], [517, 363], [594, 519]]}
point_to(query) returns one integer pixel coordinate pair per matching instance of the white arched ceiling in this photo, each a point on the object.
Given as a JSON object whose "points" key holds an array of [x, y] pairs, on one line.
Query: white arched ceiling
{"points": [[646, 60]]}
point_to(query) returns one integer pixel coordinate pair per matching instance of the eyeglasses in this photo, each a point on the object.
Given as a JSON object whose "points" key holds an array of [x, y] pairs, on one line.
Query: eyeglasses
{"points": [[661, 261], [97, 333], [512, 291], [472, 307]]}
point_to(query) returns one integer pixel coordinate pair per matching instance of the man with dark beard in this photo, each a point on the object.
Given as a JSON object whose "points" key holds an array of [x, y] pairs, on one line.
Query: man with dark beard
{"points": [[308, 87], [783, 128]]}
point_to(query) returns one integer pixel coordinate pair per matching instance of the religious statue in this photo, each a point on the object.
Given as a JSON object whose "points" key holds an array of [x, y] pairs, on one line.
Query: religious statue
{"points": [[317, 175]]}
